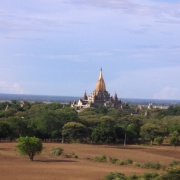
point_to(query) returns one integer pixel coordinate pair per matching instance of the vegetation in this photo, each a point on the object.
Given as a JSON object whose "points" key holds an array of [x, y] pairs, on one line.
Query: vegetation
{"points": [[57, 151], [150, 165], [174, 138], [57, 122], [171, 173], [121, 176], [174, 163], [158, 140], [114, 176], [102, 158], [29, 146]]}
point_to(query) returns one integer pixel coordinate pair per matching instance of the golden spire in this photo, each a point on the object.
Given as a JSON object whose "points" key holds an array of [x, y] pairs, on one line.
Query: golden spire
{"points": [[100, 76], [100, 86]]}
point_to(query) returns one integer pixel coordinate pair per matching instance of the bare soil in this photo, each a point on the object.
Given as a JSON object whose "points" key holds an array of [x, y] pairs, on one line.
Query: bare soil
{"points": [[46, 166]]}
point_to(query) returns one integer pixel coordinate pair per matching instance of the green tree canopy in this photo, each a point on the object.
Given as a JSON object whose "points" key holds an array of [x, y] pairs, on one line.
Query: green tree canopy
{"points": [[104, 133], [74, 131], [29, 146], [149, 131]]}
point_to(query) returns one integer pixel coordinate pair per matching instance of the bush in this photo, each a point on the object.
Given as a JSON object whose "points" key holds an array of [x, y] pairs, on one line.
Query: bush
{"points": [[29, 146], [172, 173], [68, 156], [174, 163], [115, 176], [112, 160], [150, 176], [133, 177], [120, 176], [75, 156], [102, 158], [120, 162], [136, 164], [128, 161], [150, 165], [159, 140], [57, 151]]}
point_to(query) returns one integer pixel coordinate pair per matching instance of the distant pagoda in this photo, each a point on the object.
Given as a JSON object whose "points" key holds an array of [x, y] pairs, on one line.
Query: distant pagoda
{"points": [[99, 97]]}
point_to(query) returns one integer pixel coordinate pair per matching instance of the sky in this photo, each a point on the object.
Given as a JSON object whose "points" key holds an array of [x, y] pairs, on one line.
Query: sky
{"points": [[57, 47]]}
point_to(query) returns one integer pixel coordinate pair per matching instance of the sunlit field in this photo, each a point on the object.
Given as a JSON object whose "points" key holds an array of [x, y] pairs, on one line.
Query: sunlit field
{"points": [[77, 161]]}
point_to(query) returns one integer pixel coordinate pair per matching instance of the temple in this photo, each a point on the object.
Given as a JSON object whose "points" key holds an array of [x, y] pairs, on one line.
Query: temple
{"points": [[99, 97]]}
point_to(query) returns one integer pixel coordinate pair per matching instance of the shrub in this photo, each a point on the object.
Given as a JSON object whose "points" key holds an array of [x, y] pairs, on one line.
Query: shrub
{"points": [[150, 165], [128, 161], [102, 158], [172, 173], [115, 176], [120, 162], [57, 151], [112, 160], [159, 140], [133, 177], [136, 164], [68, 156], [150, 176], [174, 163], [75, 156]]}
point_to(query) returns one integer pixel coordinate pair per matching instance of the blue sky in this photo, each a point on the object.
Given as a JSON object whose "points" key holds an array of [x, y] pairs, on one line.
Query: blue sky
{"points": [[57, 47]]}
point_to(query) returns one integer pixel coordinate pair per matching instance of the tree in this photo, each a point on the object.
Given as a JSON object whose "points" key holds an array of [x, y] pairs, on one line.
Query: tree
{"points": [[19, 126], [29, 146], [132, 131], [5, 130], [74, 131], [159, 140], [174, 139], [149, 131], [104, 133]]}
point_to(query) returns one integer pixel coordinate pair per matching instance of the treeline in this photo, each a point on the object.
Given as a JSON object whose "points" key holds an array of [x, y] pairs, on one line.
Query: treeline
{"points": [[58, 122]]}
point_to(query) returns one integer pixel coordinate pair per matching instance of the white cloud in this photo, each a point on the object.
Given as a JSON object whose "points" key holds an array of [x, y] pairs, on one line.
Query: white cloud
{"points": [[11, 88], [158, 83], [167, 93], [66, 57]]}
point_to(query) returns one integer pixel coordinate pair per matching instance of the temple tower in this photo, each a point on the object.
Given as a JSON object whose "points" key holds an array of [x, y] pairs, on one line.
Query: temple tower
{"points": [[100, 85], [100, 91], [115, 97], [85, 96]]}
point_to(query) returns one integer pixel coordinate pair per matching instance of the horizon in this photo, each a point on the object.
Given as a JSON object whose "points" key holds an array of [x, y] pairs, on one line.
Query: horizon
{"points": [[140, 99], [56, 48]]}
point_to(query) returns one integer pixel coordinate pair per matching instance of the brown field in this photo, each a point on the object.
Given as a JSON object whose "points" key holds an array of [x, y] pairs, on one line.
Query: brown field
{"points": [[46, 166]]}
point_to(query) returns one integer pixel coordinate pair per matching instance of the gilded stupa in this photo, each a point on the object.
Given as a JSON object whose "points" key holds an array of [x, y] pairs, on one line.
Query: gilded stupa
{"points": [[99, 97], [100, 93], [100, 86]]}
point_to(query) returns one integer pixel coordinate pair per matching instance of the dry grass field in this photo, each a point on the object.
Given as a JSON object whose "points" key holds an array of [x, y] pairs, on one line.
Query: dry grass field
{"points": [[47, 166]]}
